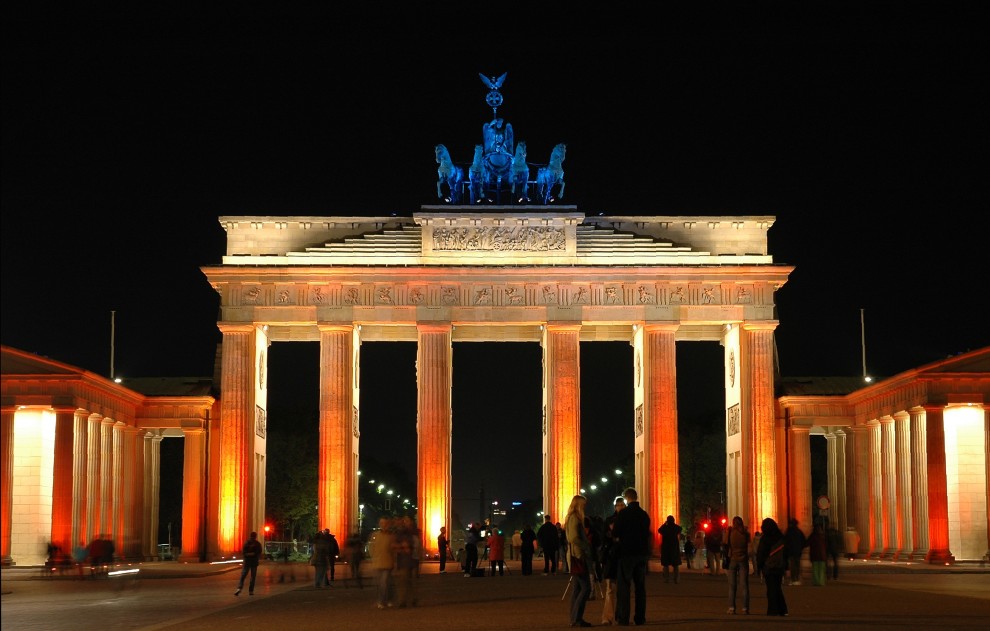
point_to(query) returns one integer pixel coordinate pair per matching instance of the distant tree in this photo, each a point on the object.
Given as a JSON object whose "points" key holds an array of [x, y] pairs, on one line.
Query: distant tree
{"points": [[291, 481]]}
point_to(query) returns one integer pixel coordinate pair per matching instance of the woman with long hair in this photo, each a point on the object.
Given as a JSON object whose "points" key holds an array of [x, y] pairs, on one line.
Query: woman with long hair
{"points": [[582, 559]]}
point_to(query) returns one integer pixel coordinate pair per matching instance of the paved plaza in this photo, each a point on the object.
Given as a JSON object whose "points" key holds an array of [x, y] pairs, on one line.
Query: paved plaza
{"points": [[200, 596]]}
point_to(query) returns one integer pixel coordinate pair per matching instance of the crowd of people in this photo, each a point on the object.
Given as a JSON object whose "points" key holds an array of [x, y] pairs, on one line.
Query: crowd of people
{"points": [[609, 555]]}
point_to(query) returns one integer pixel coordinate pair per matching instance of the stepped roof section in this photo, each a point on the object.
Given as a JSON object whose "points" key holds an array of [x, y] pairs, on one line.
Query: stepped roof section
{"points": [[498, 236]]}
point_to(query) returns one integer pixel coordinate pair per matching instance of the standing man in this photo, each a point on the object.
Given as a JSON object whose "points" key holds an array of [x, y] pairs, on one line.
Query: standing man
{"points": [[632, 531], [334, 553], [610, 561], [549, 540], [252, 556], [443, 545], [670, 548], [528, 538], [516, 545], [795, 542]]}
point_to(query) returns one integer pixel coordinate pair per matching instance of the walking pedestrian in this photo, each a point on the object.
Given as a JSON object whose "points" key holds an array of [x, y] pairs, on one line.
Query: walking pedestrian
{"points": [[252, 557], [670, 548], [633, 532], [771, 562], [355, 555], [834, 546], [818, 553], [796, 543], [319, 558], [383, 562], [737, 542]]}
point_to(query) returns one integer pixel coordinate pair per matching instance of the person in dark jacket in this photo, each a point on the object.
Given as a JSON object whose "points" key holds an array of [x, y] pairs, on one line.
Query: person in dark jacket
{"points": [[610, 562], [632, 530], [549, 540], [252, 557], [771, 562], [818, 553], [528, 538], [670, 548], [796, 543]]}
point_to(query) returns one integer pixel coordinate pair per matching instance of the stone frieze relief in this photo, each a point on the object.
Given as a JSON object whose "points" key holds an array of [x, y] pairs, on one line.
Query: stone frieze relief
{"points": [[504, 239]]}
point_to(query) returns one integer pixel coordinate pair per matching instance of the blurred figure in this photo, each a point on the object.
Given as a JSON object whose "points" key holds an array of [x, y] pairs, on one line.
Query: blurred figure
{"points": [[355, 555], [689, 552], [334, 552], [406, 562], [737, 548], [252, 557], [834, 546], [713, 549], [562, 556], [753, 547], [670, 548], [516, 544], [319, 557], [383, 561], [527, 548], [771, 562], [496, 552], [818, 553], [796, 543], [610, 560], [582, 560]]}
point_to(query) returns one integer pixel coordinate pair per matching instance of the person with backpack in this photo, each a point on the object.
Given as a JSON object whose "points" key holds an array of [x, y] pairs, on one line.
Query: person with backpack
{"points": [[771, 562]]}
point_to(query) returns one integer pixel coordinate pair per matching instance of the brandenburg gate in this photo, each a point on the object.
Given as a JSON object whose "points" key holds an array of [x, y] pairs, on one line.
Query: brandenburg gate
{"points": [[545, 274]]}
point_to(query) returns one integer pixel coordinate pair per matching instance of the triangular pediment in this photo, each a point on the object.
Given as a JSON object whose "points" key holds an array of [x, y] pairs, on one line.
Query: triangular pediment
{"points": [[17, 362]]}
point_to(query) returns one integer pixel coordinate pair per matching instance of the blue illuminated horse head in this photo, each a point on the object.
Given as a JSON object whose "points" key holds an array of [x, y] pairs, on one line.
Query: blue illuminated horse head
{"points": [[448, 174], [551, 176]]}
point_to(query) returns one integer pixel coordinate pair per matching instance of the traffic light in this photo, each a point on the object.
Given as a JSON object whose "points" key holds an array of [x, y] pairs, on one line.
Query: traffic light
{"points": [[705, 526], [268, 530], [723, 522]]}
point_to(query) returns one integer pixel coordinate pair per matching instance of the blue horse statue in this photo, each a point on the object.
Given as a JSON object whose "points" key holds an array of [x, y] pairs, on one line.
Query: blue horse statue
{"points": [[450, 174], [552, 175], [520, 173], [477, 175]]}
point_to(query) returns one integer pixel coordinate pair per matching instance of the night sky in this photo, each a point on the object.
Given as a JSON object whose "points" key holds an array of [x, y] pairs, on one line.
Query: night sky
{"points": [[859, 128]]}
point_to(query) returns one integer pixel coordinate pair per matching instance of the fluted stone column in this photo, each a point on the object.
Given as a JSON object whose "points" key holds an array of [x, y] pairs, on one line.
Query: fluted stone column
{"points": [[902, 432], [434, 380], [62, 467], [152, 492], [888, 472], [836, 449], [800, 476], [986, 475], [80, 501], [659, 493], [236, 502], [106, 477], [128, 536], [876, 493], [117, 507], [7, 483], [562, 431], [858, 469], [137, 497], [336, 471], [94, 439], [919, 484], [757, 413], [938, 496], [193, 492]]}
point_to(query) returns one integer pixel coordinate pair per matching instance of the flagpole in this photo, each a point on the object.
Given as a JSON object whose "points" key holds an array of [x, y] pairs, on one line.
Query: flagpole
{"points": [[113, 333], [862, 342]]}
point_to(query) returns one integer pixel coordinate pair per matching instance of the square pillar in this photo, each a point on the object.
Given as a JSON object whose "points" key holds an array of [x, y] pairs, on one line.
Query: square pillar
{"points": [[336, 470], [562, 417], [434, 430]]}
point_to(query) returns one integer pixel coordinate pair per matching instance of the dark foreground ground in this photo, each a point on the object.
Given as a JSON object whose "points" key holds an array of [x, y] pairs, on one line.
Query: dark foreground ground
{"points": [[192, 597]]}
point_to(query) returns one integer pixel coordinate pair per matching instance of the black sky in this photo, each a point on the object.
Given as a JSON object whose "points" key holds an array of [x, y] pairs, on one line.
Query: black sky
{"points": [[859, 126]]}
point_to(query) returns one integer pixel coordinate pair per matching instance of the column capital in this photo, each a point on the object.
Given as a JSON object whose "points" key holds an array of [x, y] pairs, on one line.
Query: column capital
{"points": [[335, 328], [230, 328], [761, 325], [434, 327], [563, 326], [656, 327]]}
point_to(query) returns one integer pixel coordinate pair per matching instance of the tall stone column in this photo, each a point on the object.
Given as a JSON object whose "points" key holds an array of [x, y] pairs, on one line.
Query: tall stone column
{"points": [[62, 467], [919, 484], [152, 492], [757, 416], [119, 475], [876, 493], [858, 470], [434, 380], [888, 473], [80, 501], [986, 475], [193, 492], [135, 517], [902, 432], [238, 415], [7, 482], [659, 492], [128, 535], [106, 477], [799, 452], [836, 448], [94, 439], [562, 430], [938, 494], [336, 472]]}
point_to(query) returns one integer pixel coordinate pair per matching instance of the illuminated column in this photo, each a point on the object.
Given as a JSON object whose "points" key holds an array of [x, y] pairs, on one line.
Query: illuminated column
{"points": [[236, 437], [836, 442], [888, 473], [118, 476], [902, 432], [434, 379], [919, 484], [757, 417], [562, 423], [938, 495], [193, 476], [62, 480], [152, 489], [858, 471], [93, 440], [799, 451], [127, 536], [7, 484], [106, 477], [876, 493], [986, 478], [658, 493], [80, 501], [336, 473], [136, 528]]}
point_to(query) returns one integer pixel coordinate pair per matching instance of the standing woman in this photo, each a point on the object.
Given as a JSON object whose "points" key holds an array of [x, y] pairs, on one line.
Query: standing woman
{"points": [[771, 562], [582, 559], [737, 547]]}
